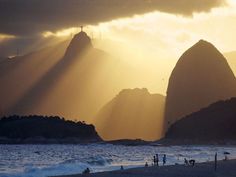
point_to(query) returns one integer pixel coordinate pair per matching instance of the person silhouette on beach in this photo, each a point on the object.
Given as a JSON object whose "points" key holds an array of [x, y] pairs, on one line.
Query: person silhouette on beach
{"points": [[157, 160], [192, 162], [154, 160], [186, 161], [86, 171], [164, 159]]}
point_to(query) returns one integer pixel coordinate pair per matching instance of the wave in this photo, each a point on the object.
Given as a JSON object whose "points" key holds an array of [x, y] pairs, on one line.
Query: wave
{"points": [[59, 169], [69, 166], [98, 160]]}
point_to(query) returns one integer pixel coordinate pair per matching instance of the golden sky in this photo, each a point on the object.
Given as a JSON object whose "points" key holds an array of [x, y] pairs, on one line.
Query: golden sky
{"points": [[153, 41], [156, 40]]}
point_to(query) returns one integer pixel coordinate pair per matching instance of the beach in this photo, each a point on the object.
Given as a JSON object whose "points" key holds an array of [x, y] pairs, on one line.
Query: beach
{"points": [[207, 169], [57, 160]]}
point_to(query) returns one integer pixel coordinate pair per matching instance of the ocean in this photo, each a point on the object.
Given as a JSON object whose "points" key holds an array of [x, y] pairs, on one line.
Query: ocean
{"points": [[47, 160]]}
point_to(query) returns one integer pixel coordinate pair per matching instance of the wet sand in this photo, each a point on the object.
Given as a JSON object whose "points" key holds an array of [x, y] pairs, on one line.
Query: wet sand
{"points": [[224, 169]]}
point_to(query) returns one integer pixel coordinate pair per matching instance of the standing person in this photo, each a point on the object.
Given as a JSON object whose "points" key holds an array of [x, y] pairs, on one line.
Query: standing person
{"points": [[157, 159], [154, 160], [121, 167], [186, 161], [215, 161], [164, 159]]}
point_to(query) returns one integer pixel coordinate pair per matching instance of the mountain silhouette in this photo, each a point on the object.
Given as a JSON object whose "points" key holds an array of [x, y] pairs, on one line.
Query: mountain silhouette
{"points": [[201, 76], [216, 122], [78, 45], [61, 90], [132, 114], [28, 129], [76, 85]]}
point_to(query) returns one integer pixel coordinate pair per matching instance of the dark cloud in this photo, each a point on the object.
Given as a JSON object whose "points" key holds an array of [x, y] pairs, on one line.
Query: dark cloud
{"points": [[30, 17]]}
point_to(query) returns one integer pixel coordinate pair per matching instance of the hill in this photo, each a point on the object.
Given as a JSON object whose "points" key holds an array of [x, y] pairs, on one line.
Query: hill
{"points": [[40, 129], [201, 77], [213, 123], [132, 114]]}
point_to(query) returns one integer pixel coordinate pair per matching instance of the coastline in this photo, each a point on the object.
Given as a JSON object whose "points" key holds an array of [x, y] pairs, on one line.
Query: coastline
{"points": [[46, 141], [205, 169], [125, 142]]}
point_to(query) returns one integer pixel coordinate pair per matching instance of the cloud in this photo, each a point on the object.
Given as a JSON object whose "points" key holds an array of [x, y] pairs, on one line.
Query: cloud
{"points": [[32, 17]]}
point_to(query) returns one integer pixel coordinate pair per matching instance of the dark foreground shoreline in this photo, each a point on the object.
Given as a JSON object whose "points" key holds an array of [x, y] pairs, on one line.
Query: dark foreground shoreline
{"points": [[206, 169]]}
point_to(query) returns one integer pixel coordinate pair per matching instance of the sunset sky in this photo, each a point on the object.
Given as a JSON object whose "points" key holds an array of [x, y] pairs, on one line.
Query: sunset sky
{"points": [[150, 34]]}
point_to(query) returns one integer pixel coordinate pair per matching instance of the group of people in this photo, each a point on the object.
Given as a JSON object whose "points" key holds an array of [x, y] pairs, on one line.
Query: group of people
{"points": [[189, 162], [155, 163], [156, 159]]}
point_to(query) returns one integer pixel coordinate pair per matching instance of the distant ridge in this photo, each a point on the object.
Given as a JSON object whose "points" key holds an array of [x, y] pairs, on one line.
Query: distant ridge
{"points": [[201, 76], [216, 122], [132, 114]]}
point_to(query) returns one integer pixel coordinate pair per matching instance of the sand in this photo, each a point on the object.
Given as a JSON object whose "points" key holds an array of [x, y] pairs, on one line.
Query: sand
{"points": [[225, 169]]}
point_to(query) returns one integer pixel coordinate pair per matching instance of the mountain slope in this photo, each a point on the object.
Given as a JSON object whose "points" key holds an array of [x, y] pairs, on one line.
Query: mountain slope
{"points": [[20, 73], [68, 87], [76, 84], [216, 122], [201, 76], [132, 114]]}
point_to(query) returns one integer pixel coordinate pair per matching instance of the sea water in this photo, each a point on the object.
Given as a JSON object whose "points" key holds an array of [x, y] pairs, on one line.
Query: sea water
{"points": [[47, 160]]}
